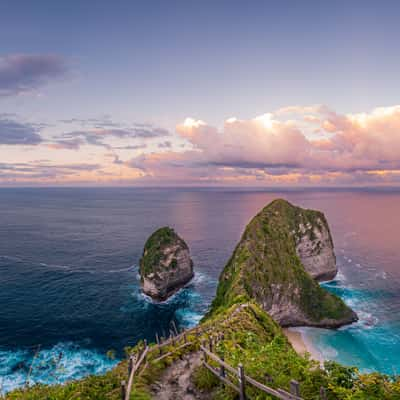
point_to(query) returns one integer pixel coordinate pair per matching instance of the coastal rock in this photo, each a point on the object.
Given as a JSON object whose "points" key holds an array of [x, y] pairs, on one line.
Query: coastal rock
{"points": [[282, 251], [314, 246], [165, 266]]}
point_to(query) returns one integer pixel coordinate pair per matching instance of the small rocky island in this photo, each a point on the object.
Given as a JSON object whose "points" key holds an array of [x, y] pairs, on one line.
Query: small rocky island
{"points": [[283, 252], [165, 266]]}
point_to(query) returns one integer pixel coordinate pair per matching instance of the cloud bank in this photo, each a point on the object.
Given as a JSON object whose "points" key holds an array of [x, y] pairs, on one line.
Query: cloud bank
{"points": [[21, 73], [17, 133], [292, 146]]}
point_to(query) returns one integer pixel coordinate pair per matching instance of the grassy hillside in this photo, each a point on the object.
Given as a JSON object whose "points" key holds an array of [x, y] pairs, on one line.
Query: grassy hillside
{"points": [[252, 338]]}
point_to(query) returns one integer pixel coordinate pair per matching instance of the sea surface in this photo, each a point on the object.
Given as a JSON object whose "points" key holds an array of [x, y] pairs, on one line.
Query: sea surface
{"points": [[69, 287]]}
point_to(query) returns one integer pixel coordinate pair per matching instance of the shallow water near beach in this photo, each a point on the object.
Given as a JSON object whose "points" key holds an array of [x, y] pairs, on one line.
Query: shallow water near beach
{"points": [[69, 288]]}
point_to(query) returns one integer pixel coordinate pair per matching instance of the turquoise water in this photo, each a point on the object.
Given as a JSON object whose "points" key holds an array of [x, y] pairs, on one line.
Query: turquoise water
{"points": [[373, 343]]}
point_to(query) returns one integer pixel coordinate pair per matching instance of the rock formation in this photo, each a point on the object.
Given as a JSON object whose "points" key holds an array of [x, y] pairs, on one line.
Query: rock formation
{"points": [[314, 245], [282, 251], [165, 266]]}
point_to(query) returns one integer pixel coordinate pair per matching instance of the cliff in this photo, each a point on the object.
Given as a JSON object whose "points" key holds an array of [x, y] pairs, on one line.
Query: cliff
{"points": [[314, 244], [282, 251], [165, 266]]}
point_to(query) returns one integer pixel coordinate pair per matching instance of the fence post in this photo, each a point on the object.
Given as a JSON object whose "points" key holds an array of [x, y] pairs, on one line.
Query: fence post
{"points": [[322, 393], [123, 390], [211, 344], [145, 348], [130, 365], [222, 368], [184, 336], [295, 388], [242, 382], [174, 327], [203, 343], [158, 344]]}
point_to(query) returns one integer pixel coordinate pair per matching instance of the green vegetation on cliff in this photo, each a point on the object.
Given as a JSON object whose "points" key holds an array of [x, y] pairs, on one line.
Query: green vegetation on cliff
{"points": [[266, 268], [252, 338], [152, 253]]}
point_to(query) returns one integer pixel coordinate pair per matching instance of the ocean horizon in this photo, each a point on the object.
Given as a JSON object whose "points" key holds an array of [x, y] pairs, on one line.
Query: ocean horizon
{"points": [[70, 290]]}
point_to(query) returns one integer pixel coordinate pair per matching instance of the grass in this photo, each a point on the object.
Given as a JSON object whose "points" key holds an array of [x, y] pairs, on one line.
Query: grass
{"points": [[152, 253], [252, 338]]}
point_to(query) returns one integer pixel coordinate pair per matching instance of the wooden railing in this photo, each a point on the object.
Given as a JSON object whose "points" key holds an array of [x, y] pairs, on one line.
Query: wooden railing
{"points": [[237, 379], [133, 368], [234, 378], [134, 364], [239, 375]]}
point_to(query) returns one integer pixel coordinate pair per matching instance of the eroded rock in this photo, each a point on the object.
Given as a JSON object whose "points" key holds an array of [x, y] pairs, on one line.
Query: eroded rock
{"points": [[165, 266]]}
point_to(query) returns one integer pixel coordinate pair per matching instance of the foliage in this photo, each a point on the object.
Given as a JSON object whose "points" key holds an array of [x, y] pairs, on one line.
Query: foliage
{"points": [[152, 252], [252, 338]]}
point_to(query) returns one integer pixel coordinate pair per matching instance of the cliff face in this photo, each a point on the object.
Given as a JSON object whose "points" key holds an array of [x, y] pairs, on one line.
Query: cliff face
{"points": [[165, 266], [314, 245], [267, 266]]}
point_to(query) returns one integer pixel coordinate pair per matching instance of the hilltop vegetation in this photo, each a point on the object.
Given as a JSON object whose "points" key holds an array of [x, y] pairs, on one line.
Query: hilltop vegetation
{"points": [[252, 338], [165, 266]]}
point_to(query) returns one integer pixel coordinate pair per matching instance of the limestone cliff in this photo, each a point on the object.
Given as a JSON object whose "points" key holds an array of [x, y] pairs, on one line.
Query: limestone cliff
{"points": [[165, 266], [314, 244], [280, 253]]}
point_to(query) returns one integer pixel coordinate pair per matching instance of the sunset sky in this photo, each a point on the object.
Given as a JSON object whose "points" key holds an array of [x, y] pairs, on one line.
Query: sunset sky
{"points": [[155, 93]]}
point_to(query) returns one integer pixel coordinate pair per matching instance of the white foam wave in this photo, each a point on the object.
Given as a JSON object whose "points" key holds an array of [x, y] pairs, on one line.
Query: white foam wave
{"points": [[188, 317], [61, 363]]}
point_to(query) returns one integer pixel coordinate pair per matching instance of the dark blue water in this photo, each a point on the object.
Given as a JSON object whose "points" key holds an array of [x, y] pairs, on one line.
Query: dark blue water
{"points": [[69, 275]]}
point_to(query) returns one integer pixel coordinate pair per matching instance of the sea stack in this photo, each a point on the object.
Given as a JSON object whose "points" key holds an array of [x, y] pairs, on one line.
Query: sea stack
{"points": [[283, 251], [165, 266]]}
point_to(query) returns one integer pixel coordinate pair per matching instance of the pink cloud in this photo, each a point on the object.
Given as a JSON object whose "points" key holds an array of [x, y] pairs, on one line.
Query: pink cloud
{"points": [[347, 148]]}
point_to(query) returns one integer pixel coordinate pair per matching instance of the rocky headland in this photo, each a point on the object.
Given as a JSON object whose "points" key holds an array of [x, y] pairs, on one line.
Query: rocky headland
{"points": [[165, 266], [282, 254]]}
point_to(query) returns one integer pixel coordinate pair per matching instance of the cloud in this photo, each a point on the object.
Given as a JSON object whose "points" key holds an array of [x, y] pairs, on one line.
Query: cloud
{"points": [[20, 73], [296, 145], [98, 137], [17, 133], [42, 170], [318, 146]]}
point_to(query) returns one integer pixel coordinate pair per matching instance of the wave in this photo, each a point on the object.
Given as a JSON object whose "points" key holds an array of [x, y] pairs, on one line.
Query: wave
{"points": [[63, 362], [69, 268]]}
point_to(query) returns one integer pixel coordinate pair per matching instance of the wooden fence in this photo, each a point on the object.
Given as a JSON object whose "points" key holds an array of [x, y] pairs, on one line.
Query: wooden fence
{"points": [[134, 363], [230, 375], [235, 378], [225, 370]]}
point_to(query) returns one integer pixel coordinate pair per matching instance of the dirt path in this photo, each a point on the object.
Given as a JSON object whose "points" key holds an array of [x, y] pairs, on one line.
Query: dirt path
{"points": [[176, 383]]}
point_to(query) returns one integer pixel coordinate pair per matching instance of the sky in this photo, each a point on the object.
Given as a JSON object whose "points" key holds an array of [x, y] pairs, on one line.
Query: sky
{"points": [[199, 93]]}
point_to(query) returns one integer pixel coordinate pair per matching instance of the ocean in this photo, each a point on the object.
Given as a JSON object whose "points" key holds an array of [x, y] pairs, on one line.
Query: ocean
{"points": [[69, 286]]}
